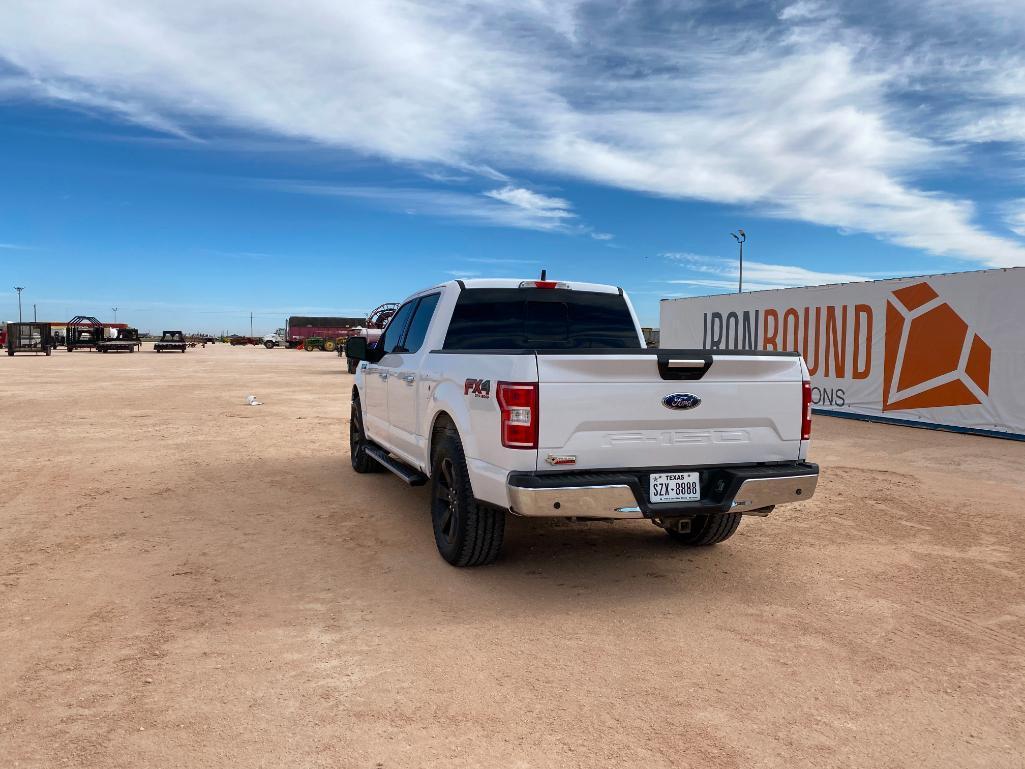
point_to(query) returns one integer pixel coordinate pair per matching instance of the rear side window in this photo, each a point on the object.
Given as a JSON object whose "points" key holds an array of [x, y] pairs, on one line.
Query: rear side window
{"points": [[539, 318]]}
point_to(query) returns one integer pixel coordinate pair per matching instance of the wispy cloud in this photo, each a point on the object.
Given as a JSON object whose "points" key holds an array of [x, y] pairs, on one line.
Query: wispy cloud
{"points": [[836, 113], [535, 206], [498, 260], [505, 207], [720, 273], [15, 247], [1014, 216]]}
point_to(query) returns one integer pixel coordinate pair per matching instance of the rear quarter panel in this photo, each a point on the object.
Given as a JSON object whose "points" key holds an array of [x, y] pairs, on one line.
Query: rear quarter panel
{"points": [[464, 386]]}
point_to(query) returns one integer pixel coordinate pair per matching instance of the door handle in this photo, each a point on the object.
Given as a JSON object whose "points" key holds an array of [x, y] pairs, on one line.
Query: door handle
{"points": [[382, 374], [409, 379]]}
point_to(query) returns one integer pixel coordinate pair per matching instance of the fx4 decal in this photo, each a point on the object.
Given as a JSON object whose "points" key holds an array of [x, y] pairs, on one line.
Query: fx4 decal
{"points": [[479, 388]]}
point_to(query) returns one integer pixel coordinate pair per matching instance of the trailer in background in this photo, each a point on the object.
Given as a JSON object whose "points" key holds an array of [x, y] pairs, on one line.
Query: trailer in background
{"points": [[170, 341], [313, 333], [32, 337], [82, 333], [126, 340]]}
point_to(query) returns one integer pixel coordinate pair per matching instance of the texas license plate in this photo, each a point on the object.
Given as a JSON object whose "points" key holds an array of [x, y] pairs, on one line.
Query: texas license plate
{"points": [[674, 487]]}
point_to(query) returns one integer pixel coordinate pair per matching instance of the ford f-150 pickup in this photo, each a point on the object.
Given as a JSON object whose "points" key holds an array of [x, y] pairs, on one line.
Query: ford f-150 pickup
{"points": [[539, 398]]}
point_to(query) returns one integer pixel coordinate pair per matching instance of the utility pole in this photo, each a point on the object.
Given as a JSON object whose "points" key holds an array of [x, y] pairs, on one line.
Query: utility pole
{"points": [[740, 237], [34, 318], [250, 324], [115, 313], [19, 289]]}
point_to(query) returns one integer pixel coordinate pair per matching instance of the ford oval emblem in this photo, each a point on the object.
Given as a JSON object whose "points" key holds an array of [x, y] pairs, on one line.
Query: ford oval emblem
{"points": [[681, 401]]}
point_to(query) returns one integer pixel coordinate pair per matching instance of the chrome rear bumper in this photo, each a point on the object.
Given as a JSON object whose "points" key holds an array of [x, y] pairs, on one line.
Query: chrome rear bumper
{"points": [[620, 495], [616, 501]]}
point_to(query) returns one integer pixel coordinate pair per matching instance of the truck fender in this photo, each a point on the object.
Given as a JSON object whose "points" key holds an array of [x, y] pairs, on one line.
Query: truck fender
{"points": [[448, 400]]}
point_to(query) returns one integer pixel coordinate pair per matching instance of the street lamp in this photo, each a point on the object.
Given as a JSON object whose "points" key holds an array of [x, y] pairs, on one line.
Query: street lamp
{"points": [[19, 289], [740, 237], [114, 309]]}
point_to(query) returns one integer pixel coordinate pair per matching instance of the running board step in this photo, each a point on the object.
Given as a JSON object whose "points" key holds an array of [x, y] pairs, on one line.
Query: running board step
{"points": [[400, 468]]}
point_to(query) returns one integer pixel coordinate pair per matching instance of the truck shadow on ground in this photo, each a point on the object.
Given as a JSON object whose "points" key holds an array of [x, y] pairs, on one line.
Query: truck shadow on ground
{"points": [[563, 562]]}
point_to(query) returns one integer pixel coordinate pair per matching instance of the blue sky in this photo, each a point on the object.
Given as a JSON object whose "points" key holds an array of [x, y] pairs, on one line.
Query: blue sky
{"points": [[192, 162]]}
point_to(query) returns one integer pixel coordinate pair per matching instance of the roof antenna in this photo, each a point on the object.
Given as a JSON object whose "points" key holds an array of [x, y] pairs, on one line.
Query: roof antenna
{"points": [[544, 274]]}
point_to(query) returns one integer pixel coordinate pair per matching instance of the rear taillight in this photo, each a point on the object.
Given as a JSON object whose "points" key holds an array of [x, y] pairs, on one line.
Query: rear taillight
{"points": [[518, 403], [806, 412]]}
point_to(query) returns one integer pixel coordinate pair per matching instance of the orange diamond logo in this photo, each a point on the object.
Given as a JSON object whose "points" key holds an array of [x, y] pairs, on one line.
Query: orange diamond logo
{"points": [[932, 357]]}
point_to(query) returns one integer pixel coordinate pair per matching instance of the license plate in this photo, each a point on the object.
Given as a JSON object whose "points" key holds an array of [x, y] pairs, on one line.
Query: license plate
{"points": [[674, 487]]}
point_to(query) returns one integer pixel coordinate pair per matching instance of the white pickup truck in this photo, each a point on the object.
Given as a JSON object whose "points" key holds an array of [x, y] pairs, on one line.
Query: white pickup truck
{"points": [[539, 398]]}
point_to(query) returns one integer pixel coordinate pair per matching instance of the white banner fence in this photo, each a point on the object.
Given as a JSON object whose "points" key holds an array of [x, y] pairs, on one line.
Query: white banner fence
{"points": [[944, 351]]}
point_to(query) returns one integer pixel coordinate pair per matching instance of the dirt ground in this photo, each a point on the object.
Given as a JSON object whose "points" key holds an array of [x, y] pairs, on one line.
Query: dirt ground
{"points": [[187, 581]]}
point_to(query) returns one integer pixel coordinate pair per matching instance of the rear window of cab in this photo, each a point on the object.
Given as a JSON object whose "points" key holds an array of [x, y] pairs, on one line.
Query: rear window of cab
{"points": [[540, 318]]}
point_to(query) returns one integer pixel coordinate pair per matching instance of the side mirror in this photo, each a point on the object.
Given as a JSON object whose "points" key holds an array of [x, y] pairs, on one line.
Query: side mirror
{"points": [[356, 348]]}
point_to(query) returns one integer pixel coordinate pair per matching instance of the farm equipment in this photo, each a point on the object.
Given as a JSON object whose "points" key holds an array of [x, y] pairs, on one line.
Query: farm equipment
{"points": [[372, 329], [241, 341], [308, 333], [84, 332], [29, 337], [127, 339], [171, 341], [319, 343]]}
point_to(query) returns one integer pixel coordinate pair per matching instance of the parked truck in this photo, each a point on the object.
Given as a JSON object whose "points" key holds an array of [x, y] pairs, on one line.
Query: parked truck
{"points": [[540, 398]]}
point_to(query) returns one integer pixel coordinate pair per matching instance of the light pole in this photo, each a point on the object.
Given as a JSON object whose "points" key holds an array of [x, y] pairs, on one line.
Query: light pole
{"points": [[740, 237], [115, 313], [19, 289]]}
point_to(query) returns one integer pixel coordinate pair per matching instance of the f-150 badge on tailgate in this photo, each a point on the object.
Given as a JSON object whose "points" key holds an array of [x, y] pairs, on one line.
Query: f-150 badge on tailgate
{"points": [[681, 401]]}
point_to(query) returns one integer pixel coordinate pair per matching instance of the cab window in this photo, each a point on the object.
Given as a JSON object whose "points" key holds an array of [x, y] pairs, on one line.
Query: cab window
{"points": [[418, 326], [396, 328]]}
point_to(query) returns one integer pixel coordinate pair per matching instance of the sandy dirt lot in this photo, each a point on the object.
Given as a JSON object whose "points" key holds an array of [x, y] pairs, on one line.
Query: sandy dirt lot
{"points": [[191, 582]]}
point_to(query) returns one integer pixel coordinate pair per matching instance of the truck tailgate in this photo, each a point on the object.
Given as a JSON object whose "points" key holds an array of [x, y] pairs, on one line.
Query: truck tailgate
{"points": [[607, 410]]}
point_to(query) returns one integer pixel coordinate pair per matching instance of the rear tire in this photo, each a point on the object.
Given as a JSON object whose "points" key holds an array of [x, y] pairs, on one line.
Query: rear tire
{"points": [[707, 530], [329, 345], [269, 345], [467, 532], [361, 461]]}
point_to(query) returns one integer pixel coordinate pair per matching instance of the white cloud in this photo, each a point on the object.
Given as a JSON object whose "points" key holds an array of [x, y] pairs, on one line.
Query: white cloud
{"points": [[506, 207], [498, 260], [817, 117], [602, 235], [1014, 216], [534, 204], [803, 9], [721, 273]]}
